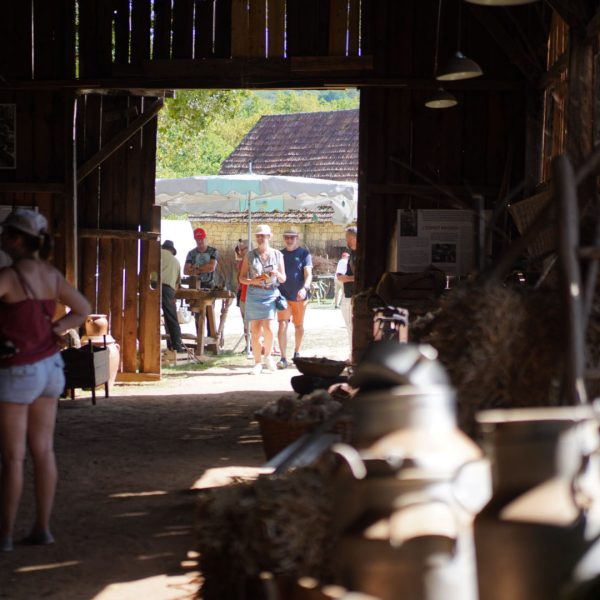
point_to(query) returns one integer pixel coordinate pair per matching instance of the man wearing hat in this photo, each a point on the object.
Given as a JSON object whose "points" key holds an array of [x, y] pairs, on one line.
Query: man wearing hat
{"points": [[298, 269], [170, 273], [202, 261]]}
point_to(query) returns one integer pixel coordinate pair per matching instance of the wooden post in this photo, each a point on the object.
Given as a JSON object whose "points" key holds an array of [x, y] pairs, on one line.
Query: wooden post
{"points": [[568, 240], [70, 197]]}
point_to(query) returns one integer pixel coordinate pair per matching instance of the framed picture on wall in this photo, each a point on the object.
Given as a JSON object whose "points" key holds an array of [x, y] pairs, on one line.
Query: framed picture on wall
{"points": [[8, 136]]}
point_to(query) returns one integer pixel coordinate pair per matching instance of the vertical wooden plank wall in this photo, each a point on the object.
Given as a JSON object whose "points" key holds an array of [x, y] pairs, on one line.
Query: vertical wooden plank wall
{"points": [[257, 22], [276, 24], [89, 137], [120, 31], [132, 31], [203, 28], [140, 31], [183, 28], [95, 39], [240, 26], [15, 41], [162, 29], [119, 196]]}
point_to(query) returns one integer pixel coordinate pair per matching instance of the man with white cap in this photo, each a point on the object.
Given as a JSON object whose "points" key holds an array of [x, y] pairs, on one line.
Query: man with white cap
{"points": [[298, 269]]}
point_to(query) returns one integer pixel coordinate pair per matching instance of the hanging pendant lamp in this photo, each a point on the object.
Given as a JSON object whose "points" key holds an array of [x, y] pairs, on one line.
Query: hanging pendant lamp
{"points": [[500, 2], [441, 99], [459, 67]]}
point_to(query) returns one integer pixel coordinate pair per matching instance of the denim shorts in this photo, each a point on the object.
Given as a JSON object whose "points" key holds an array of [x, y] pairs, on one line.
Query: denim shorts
{"points": [[22, 384]]}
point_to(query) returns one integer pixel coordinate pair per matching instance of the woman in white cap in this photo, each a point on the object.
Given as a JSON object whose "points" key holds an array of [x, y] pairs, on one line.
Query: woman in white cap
{"points": [[31, 367], [262, 271]]}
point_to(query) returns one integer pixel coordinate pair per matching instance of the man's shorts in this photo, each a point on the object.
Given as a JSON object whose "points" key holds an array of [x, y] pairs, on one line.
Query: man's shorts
{"points": [[295, 311], [22, 384]]}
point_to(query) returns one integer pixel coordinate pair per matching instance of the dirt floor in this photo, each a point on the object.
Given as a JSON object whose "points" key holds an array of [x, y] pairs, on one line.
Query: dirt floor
{"points": [[124, 510]]}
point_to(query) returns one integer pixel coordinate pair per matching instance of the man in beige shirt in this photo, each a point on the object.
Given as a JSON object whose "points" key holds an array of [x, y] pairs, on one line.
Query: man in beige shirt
{"points": [[170, 273]]}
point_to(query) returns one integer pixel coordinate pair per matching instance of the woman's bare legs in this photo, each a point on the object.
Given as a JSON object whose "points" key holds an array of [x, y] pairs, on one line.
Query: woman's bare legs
{"points": [[255, 331], [13, 436], [40, 439], [267, 328]]}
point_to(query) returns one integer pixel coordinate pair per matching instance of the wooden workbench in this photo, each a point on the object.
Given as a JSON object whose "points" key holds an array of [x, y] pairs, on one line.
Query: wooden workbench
{"points": [[202, 303]]}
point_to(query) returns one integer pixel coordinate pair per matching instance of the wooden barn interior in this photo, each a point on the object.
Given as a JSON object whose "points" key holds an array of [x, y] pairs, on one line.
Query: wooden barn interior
{"points": [[88, 78]]}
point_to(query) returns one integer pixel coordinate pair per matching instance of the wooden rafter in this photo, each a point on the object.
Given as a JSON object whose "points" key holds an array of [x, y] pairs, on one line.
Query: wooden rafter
{"points": [[510, 44], [575, 13], [593, 27]]}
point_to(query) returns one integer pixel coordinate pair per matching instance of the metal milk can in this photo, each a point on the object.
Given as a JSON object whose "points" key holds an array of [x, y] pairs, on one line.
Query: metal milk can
{"points": [[405, 515], [533, 537]]}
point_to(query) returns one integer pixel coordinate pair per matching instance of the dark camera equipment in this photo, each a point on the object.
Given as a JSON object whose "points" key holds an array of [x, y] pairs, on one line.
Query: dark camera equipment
{"points": [[7, 349]]}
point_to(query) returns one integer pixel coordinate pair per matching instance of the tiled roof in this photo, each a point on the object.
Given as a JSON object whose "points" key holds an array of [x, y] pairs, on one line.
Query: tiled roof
{"points": [[322, 145]]}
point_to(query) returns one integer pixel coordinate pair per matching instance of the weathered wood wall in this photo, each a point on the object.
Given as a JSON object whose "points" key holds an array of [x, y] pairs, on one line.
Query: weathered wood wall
{"points": [[42, 176], [118, 259]]}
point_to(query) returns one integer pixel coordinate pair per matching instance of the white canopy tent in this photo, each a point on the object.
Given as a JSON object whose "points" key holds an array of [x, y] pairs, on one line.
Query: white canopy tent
{"points": [[251, 193]]}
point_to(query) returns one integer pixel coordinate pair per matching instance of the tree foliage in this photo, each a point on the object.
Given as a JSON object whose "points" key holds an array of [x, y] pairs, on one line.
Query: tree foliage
{"points": [[198, 129]]}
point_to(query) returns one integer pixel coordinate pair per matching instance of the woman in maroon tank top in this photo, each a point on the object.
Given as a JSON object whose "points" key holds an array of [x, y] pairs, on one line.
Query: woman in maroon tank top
{"points": [[31, 374]]}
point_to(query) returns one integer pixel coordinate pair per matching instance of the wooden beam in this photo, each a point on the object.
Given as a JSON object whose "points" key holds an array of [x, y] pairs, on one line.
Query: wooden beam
{"points": [[118, 234], [71, 105], [33, 188], [115, 143], [412, 188], [573, 12], [137, 377], [593, 27]]}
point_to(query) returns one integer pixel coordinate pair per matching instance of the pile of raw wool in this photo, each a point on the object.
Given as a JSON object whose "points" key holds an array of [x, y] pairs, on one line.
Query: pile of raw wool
{"points": [[503, 347], [275, 524], [315, 407]]}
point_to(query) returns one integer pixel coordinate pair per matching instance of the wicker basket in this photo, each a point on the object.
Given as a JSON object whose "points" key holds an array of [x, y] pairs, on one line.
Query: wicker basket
{"points": [[278, 434]]}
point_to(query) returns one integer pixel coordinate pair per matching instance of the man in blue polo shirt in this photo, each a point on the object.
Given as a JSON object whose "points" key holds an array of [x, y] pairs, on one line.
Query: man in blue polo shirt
{"points": [[298, 269]]}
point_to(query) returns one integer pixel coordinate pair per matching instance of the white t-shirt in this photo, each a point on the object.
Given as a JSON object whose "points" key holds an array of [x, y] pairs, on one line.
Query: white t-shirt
{"points": [[342, 266]]}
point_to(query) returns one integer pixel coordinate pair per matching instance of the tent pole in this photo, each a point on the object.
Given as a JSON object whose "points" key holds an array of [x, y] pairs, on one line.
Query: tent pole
{"points": [[249, 224]]}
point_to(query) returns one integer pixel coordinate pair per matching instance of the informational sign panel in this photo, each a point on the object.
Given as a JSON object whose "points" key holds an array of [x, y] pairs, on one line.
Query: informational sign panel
{"points": [[442, 238]]}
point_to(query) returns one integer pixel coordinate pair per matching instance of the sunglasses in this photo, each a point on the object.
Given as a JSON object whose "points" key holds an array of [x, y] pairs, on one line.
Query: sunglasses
{"points": [[290, 237]]}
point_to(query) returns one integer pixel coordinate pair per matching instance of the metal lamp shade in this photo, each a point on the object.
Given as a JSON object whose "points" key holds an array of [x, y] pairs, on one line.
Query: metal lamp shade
{"points": [[459, 67], [500, 2], [441, 99]]}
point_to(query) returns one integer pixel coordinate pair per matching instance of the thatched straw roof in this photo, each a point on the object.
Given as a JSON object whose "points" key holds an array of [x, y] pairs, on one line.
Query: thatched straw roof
{"points": [[323, 145], [320, 214]]}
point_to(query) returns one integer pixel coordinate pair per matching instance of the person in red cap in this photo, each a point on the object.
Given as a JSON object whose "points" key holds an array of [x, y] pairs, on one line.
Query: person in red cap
{"points": [[202, 261]]}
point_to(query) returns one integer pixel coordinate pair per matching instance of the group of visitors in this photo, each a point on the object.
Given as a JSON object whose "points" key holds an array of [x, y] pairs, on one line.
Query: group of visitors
{"points": [[274, 285]]}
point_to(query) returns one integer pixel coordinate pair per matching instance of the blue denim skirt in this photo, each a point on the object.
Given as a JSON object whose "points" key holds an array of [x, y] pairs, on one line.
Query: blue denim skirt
{"points": [[22, 384], [260, 303]]}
